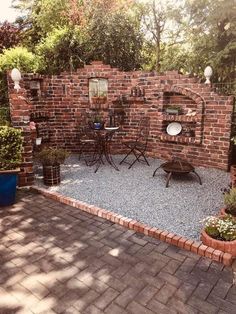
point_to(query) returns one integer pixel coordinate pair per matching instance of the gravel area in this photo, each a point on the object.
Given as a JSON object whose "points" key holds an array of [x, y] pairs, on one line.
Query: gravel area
{"points": [[134, 193]]}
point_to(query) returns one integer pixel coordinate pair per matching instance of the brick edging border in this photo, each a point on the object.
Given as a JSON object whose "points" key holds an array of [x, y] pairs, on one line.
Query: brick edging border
{"points": [[182, 242]]}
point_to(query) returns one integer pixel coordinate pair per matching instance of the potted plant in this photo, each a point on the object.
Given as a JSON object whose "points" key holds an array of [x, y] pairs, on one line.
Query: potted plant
{"points": [[99, 98], [103, 97], [173, 110], [95, 98], [51, 159], [220, 233], [98, 123], [10, 158], [230, 202]]}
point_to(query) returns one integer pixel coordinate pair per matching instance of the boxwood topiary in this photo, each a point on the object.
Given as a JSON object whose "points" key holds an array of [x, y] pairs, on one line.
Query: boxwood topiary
{"points": [[10, 148]]}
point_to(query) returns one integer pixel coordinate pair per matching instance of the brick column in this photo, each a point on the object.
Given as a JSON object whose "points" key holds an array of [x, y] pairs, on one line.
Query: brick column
{"points": [[20, 118]]}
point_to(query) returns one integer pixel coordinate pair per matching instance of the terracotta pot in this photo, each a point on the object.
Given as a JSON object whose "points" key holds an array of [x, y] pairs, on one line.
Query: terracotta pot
{"points": [[224, 246], [51, 175], [224, 213]]}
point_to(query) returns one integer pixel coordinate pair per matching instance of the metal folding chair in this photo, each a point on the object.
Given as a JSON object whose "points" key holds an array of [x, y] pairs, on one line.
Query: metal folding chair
{"points": [[87, 142], [138, 147]]}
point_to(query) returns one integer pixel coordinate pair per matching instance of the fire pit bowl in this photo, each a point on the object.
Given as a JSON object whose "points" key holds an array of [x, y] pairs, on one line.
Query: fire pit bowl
{"points": [[177, 166]]}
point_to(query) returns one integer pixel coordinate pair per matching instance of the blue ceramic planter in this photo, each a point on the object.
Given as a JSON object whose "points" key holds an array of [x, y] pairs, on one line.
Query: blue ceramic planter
{"points": [[97, 125], [8, 182]]}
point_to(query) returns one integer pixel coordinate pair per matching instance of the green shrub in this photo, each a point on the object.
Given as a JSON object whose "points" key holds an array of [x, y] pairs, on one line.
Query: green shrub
{"points": [[10, 148], [4, 116], [52, 156], [18, 57], [230, 201]]}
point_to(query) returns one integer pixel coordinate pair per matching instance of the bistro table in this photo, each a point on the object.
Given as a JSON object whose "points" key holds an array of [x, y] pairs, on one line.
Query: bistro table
{"points": [[103, 138]]}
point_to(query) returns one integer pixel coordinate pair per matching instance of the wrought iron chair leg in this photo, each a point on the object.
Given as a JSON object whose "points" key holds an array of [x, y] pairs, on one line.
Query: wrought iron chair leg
{"points": [[154, 173], [134, 161], [126, 156], [168, 179], [145, 159], [197, 175]]}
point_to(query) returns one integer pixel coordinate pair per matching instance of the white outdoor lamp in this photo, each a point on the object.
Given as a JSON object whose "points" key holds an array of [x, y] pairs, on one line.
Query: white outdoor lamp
{"points": [[16, 77], [208, 74]]}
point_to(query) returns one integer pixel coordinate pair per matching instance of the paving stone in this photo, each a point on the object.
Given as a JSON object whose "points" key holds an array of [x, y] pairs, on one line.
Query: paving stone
{"points": [[221, 288], [146, 294], [184, 291], [201, 305], [114, 309], [92, 310], [231, 296], [203, 290], [136, 308], [172, 266], [126, 297], [157, 307], [106, 298], [173, 280], [165, 293], [181, 307], [86, 300]]}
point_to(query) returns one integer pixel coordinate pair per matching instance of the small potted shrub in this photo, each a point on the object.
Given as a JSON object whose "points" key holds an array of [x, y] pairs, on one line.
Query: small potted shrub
{"points": [[10, 158], [220, 233], [230, 202], [51, 159]]}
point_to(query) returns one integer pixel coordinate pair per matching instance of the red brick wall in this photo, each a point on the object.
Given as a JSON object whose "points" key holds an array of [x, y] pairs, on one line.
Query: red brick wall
{"points": [[20, 118], [64, 97]]}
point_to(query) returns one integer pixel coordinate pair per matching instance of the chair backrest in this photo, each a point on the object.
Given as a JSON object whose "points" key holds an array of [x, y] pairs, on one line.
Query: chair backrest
{"points": [[84, 130], [144, 128]]}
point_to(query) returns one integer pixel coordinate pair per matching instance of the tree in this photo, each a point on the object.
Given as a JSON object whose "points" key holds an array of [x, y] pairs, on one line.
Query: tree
{"points": [[9, 35], [163, 24], [116, 39]]}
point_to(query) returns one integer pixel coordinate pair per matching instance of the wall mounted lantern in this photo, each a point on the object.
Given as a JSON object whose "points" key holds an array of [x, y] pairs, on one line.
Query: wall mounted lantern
{"points": [[16, 77]]}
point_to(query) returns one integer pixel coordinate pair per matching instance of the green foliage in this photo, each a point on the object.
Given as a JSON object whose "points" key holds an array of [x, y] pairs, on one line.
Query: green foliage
{"points": [[3, 90], [52, 156], [18, 57], [230, 201], [221, 228], [10, 148], [116, 39], [61, 50], [4, 116], [212, 35], [164, 35]]}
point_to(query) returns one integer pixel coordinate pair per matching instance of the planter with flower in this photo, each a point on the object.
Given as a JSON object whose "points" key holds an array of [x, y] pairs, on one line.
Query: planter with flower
{"points": [[220, 233], [10, 158], [230, 202], [51, 159]]}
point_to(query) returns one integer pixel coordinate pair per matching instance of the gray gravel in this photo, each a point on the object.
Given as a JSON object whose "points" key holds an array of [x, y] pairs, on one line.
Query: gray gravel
{"points": [[136, 194]]}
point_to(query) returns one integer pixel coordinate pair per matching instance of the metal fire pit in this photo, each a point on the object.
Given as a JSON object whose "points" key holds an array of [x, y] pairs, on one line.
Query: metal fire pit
{"points": [[177, 166]]}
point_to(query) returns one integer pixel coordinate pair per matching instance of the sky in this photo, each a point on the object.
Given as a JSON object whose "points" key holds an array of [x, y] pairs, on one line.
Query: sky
{"points": [[6, 13]]}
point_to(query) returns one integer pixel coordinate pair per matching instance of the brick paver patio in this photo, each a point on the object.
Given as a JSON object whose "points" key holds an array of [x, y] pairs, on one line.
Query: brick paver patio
{"points": [[58, 259]]}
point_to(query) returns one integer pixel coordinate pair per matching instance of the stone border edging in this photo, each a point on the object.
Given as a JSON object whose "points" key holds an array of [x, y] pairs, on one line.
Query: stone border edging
{"points": [[171, 238]]}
